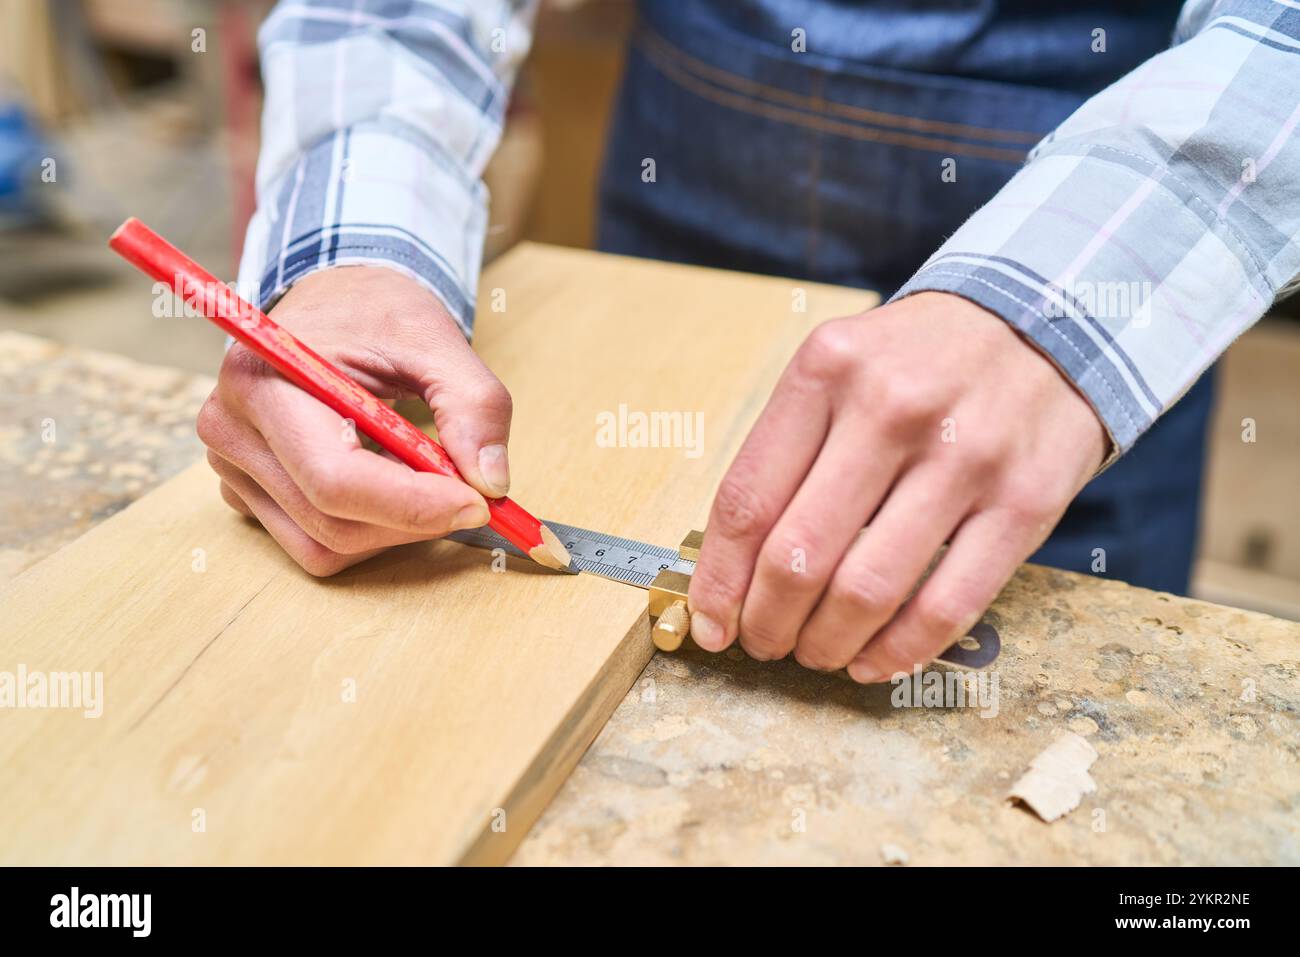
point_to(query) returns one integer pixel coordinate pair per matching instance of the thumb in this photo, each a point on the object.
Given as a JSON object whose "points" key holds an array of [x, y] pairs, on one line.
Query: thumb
{"points": [[471, 409]]}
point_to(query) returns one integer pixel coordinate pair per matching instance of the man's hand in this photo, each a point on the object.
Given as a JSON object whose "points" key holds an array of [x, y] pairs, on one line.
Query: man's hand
{"points": [[300, 469], [890, 433]]}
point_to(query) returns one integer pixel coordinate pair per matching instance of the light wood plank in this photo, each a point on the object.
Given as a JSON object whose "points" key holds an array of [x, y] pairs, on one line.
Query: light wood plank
{"points": [[475, 690]]}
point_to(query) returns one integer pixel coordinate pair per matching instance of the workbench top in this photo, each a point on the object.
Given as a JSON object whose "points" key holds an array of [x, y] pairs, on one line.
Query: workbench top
{"points": [[83, 434], [1192, 707]]}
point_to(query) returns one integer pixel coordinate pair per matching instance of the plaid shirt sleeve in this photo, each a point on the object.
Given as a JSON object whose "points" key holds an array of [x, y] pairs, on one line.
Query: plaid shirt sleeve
{"points": [[380, 116], [1157, 223]]}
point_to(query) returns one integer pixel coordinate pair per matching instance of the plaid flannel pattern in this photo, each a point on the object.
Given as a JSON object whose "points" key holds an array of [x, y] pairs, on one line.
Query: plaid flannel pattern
{"points": [[1141, 237], [379, 119], [1157, 223]]}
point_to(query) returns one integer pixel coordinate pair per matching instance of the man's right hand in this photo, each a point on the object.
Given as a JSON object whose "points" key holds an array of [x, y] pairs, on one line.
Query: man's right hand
{"points": [[299, 468]]}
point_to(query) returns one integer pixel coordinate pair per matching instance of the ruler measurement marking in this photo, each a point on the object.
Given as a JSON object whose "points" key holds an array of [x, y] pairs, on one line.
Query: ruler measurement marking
{"points": [[637, 563], [608, 556]]}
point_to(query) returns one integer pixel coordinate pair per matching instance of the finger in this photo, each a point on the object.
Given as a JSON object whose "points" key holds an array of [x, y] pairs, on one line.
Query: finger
{"points": [[340, 535], [231, 498], [323, 457], [471, 410], [315, 558], [796, 561], [236, 448], [758, 486], [883, 565], [983, 556]]}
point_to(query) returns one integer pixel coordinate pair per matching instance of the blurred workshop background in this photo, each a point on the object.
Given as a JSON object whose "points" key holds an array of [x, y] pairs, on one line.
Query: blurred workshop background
{"points": [[110, 108]]}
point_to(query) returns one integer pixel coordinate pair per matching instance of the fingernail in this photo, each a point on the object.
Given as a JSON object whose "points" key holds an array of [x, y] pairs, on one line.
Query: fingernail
{"points": [[708, 634], [495, 469], [471, 516], [864, 673]]}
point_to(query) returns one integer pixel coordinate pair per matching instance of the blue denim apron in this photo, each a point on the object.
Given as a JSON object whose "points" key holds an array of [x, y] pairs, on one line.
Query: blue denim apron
{"points": [[826, 165]]}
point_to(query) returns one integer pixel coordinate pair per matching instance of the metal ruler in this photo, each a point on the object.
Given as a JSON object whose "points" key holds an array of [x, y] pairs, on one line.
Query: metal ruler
{"points": [[636, 563], [622, 559]]}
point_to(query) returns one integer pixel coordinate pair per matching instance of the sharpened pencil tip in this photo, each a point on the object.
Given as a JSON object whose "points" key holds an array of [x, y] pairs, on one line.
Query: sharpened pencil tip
{"points": [[551, 552]]}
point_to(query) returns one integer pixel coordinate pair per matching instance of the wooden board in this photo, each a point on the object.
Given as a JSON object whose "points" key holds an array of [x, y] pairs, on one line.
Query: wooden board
{"points": [[228, 672]]}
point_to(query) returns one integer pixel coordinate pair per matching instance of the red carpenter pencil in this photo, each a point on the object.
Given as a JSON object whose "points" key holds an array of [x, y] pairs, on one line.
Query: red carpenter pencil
{"points": [[146, 250]]}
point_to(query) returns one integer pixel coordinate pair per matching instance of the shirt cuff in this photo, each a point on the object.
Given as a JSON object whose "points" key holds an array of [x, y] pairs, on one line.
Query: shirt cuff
{"points": [[1061, 339], [1115, 269]]}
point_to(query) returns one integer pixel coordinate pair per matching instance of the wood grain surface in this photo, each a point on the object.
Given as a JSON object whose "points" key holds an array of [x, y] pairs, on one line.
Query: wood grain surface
{"points": [[421, 707]]}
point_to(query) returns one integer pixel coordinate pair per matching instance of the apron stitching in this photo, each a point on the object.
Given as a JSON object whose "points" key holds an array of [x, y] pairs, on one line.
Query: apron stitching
{"points": [[770, 111], [814, 187], [648, 39]]}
